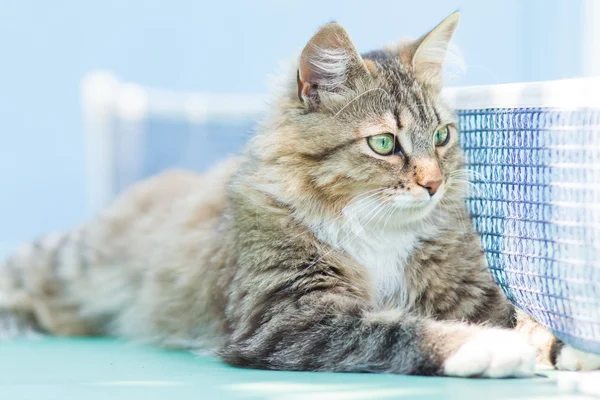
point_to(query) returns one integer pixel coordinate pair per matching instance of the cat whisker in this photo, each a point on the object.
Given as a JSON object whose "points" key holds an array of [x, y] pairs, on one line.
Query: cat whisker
{"points": [[389, 216], [456, 208], [372, 196], [356, 200], [369, 201], [470, 174], [461, 186], [347, 237], [381, 208]]}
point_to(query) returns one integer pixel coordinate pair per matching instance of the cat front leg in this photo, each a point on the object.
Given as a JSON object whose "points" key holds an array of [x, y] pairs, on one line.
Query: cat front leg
{"points": [[492, 353], [325, 332]]}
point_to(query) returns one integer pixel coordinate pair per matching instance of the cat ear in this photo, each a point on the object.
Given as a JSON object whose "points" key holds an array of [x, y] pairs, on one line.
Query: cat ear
{"points": [[327, 62], [430, 51]]}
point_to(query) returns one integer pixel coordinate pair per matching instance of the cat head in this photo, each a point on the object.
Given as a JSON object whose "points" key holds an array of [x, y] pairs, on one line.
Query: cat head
{"points": [[363, 134]]}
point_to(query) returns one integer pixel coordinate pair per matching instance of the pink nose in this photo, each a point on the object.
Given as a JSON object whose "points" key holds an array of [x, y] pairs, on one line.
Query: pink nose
{"points": [[432, 186]]}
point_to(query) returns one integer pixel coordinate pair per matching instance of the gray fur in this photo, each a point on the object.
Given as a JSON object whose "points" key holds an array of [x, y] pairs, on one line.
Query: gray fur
{"points": [[248, 259]]}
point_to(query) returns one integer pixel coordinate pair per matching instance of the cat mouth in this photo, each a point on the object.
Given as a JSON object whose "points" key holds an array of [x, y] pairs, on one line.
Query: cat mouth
{"points": [[415, 205], [409, 201], [417, 202]]}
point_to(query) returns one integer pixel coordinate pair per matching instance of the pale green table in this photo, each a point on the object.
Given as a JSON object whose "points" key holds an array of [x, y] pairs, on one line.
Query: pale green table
{"points": [[64, 369]]}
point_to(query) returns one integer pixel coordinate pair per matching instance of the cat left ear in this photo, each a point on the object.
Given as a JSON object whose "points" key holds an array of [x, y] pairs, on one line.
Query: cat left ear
{"points": [[328, 62], [431, 50]]}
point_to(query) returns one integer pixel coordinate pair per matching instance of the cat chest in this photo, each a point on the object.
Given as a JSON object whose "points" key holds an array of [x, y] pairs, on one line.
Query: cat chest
{"points": [[387, 266], [385, 256]]}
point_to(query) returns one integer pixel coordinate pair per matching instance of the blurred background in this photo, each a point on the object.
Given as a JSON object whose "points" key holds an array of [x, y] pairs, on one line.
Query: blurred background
{"points": [[223, 47]]}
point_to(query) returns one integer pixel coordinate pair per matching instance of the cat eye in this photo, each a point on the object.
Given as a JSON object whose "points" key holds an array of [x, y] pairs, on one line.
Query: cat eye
{"points": [[383, 144], [441, 136]]}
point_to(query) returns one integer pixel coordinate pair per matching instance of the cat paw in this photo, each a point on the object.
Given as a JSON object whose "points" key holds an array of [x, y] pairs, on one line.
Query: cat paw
{"points": [[571, 359], [493, 353]]}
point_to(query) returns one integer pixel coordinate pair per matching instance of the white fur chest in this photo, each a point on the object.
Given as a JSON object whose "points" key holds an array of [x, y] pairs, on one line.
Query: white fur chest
{"points": [[383, 253]]}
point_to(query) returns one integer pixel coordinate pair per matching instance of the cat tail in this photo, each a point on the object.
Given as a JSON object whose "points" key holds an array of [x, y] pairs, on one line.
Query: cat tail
{"points": [[41, 285], [553, 351]]}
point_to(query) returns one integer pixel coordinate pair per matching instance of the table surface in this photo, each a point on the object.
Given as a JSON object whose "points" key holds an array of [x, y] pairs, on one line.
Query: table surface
{"points": [[102, 368]]}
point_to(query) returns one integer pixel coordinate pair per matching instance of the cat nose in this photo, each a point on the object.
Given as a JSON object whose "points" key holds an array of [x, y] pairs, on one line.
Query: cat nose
{"points": [[431, 185], [428, 174]]}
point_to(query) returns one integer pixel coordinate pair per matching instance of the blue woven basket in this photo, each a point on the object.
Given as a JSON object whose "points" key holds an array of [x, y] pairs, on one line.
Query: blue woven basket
{"points": [[536, 199]]}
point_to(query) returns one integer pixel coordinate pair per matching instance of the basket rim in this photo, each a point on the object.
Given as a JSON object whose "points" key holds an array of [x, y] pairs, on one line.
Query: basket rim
{"points": [[565, 93]]}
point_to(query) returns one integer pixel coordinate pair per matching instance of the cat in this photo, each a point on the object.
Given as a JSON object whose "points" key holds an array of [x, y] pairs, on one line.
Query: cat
{"points": [[338, 240]]}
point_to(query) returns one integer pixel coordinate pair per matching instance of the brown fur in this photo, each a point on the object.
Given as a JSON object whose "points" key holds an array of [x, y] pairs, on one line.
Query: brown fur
{"points": [[245, 259]]}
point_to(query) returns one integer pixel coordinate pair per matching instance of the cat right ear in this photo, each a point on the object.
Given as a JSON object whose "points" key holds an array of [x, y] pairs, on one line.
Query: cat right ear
{"points": [[327, 63], [427, 54]]}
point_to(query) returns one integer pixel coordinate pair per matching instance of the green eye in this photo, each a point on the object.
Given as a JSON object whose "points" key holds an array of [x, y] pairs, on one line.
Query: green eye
{"points": [[441, 136], [383, 144]]}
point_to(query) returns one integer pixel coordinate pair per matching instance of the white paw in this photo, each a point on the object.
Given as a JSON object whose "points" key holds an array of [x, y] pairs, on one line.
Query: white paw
{"points": [[570, 359], [493, 353]]}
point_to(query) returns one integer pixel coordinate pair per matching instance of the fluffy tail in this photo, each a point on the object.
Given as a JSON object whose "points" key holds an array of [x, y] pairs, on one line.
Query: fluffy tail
{"points": [[35, 283], [553, 351]]}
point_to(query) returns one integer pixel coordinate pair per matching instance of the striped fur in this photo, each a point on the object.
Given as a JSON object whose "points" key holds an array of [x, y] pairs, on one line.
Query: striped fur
{"points": [[307, 252]]}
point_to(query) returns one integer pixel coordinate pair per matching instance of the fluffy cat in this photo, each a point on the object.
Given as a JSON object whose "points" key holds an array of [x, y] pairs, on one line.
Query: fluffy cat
{"points": [[338, 241]]}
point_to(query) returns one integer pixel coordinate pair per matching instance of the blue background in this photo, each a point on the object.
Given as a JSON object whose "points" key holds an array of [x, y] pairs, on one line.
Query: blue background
{"points": [[47, 46]]}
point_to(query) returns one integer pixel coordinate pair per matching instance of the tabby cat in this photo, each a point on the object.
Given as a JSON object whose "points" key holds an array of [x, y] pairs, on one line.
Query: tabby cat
{"points": [[337, 241]]}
